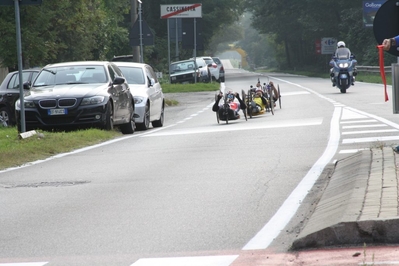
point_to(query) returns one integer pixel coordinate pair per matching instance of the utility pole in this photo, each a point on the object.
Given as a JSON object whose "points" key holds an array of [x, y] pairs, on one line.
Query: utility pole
{"points": [[134, 16]]}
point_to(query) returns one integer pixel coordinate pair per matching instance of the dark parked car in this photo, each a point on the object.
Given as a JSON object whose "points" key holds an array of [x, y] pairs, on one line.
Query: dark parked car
{"points": [[185, 71], [79, 94], [9, 94]]}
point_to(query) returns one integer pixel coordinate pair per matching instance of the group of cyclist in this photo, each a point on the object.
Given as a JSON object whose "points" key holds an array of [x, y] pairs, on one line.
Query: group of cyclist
{"points": [[260, 102]]}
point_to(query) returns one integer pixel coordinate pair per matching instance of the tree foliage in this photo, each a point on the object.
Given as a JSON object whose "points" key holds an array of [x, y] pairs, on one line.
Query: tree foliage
{"points": [[273, 33]]}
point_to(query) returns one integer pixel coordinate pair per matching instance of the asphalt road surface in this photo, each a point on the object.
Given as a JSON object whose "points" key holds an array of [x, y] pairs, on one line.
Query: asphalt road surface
{"points": [[194, 192]]}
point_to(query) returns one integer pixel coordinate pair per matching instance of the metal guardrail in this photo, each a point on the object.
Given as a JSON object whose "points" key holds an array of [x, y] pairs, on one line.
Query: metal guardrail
{"points": [[373, 69]]}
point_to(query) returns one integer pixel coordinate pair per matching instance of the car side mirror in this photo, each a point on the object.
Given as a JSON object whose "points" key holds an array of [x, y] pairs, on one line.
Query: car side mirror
{"points": [[26, 85], [152, 82], [119, 80]]}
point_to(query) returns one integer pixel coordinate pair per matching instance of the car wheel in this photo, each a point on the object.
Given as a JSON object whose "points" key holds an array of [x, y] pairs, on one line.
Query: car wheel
{"points": [[159, 122], [109, 118], [128, 128], [4, 116], [146, 119]]}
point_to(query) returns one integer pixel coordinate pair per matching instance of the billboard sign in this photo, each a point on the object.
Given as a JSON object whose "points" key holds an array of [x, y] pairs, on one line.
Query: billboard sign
{"points": [[370, 8]]}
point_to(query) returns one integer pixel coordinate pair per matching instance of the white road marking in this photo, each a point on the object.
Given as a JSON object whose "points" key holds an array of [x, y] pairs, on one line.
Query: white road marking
{"points": [[359, 121], [369, 131], [364, 126], [375, 139], [350, 151], [185, 261], [348, 114], [234, 127], [24, 264]]}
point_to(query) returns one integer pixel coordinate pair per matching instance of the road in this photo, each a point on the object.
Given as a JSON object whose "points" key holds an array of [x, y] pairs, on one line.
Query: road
{"points": [[194, 192]]}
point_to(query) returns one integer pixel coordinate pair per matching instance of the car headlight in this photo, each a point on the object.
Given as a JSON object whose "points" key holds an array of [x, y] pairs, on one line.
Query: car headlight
{"points": [[27, 104], [138, 100], [93, 100], [173, 78]]}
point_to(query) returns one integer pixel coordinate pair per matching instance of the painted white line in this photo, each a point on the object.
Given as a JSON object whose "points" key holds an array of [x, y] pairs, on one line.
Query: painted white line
{"points": [[369, 131], [362, 140], [349, 114], [364, 126], [24, 264], [350, 151], [359, 121], [238, 126], [185, 261]]}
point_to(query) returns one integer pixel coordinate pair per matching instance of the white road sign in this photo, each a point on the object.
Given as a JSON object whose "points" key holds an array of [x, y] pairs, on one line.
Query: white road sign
{"points": [[181, 11], [328, 45]]}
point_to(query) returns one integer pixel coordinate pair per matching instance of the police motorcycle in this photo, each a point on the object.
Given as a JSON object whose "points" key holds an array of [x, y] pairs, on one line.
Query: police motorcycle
{"points": [[343, 70]]}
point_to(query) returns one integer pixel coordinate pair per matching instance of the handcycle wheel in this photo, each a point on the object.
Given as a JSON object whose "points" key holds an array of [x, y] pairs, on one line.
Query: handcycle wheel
{"points": [[249, 101], [279, 96], [272, 104], [243, 96], [217, 113]]}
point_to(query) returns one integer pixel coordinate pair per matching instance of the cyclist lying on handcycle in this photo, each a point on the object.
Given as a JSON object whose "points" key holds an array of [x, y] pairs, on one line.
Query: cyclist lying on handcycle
{"points": [[233, 107], [259, 102], [269, 88]]}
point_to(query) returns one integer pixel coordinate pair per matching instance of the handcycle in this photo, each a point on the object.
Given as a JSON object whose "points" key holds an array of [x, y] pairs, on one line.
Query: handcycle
{"points": [[252, 107], [226, 108]]}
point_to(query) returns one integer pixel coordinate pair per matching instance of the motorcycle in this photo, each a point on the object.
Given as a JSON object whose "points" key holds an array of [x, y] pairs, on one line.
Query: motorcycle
{"points": [[343, 72]]}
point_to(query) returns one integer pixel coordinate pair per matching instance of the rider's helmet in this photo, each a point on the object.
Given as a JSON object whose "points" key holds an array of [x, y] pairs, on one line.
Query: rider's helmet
{"points": [[340, 44], [230, 96]]}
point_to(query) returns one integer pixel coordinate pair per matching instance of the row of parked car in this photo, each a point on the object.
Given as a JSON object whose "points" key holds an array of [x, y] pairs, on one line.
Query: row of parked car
{"points": [[199, 69], [84, 94]]}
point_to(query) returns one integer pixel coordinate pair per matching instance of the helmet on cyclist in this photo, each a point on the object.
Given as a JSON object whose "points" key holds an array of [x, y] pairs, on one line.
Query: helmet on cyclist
{"points": [[230, 96], [340, 44]]}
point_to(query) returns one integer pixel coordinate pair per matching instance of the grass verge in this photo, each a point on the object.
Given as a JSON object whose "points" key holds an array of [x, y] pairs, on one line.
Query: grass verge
{"points": [[15, 151]]}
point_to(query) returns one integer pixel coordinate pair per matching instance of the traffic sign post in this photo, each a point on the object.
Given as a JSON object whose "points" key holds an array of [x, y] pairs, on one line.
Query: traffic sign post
{"points": [[182, 11]]}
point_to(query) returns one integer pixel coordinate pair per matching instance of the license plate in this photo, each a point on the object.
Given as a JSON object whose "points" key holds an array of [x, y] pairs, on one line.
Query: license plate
{"points": [[57, 111]]}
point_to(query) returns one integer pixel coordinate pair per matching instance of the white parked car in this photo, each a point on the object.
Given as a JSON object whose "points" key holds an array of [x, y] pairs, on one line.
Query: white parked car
{"points": [[213, 67], [147, 92], [205, 75]]}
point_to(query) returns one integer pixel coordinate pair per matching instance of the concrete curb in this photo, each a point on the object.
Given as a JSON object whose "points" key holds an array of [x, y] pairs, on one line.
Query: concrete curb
{"points": [[359, 205]]}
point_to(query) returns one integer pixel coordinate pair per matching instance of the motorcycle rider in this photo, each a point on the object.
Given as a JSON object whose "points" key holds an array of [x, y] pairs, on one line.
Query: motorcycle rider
{"points": [[342, 52], [234, 107]]}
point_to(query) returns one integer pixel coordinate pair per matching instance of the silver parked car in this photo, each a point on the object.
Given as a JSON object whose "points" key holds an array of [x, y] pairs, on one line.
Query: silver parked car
{"points": [[148, 96], [213, 67], [220, 67]]}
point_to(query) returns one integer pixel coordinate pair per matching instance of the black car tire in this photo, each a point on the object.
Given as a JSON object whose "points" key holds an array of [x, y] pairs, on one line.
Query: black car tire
{"points": [[159, 122], [109, 118], [5, 116], [129, 128], [146, 119]]}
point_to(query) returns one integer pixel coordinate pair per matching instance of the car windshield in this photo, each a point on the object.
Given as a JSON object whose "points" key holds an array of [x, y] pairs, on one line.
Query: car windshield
{"points": [[71, 75], [182, 66], [201, 62], [208, 61], [133, 75], [217, 61]]}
